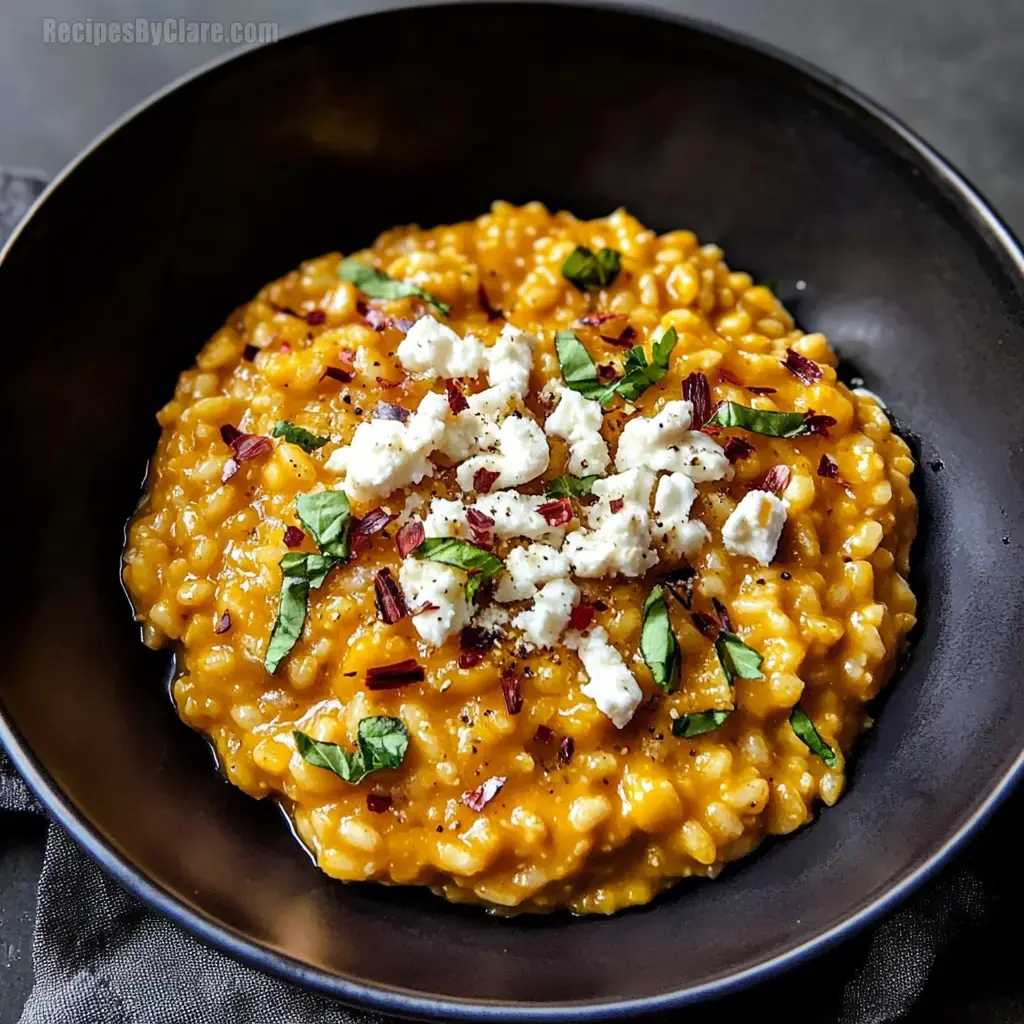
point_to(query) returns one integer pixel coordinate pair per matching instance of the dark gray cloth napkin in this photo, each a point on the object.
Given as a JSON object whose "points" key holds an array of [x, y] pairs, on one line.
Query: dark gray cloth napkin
{"points": [[101, 957]]}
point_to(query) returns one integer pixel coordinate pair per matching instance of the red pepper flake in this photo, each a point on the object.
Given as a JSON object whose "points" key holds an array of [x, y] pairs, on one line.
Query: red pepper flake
{"points": [[245, 446], [704, 623], [596, 319], [293, 537], [776, 480], [315, 317], [389, 599], [389, 677], [493, 312], [737, 448], [483, 480], [625, 339], [511, 691], [581, 617], [250, 352], [543, 734], [761, 391], [230, 434], [818, 423], [474, 643], [680, 584], [223, 624], [456, 399], [697, 392], [229, 470], [807, 370], [376, 319], [725, 377], [723, 615], [828, 467], [337, 373], [558, 512], [378, 803], [565, 750], [387, 384], [477, 799], [480, 527], [607, 371], [373, 522], [409, 537], [387, 411], [617, 504]]}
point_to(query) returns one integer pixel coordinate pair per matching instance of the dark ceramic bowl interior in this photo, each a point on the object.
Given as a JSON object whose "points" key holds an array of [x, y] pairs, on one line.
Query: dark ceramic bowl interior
{"points": [[319, 142]]}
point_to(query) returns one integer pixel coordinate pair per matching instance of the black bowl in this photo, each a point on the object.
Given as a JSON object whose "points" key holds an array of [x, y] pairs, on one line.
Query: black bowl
{"points": [[229, 179]]}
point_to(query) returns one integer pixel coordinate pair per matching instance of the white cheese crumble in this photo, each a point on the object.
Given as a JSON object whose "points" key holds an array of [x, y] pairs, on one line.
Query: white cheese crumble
{"points": [[386, 454], [435, 350], [477, 429], [672, 526], [446, 519], [621, 544], [577, 420], [526, 568], [509, 360], [755, 526], [665, 442], [543, 623], [634, 486], [492, 618], [426, 582], [522, 455], [516, 515], [413, 503], [611, 685]]}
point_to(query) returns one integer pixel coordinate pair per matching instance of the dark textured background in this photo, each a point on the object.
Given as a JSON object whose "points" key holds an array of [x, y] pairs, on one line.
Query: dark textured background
{"points": [[953, 71]]}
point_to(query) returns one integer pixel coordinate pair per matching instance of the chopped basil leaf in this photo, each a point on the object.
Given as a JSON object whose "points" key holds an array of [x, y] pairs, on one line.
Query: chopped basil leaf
{"points": [[804, 728], [326, 516], [689, 726], [736, 658], [638, 375], [590, 271], [382, 743], [463, 556], [658, 643], [571, 486], [377, 285], [578, 369], [311, 569], [298, 435], [759, 421], [291, 617]]}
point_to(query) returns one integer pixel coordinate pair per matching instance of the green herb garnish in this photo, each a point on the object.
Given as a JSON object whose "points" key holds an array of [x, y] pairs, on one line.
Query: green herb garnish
{"points": [[377, 285], [580, 373], [326, 515], [291, 617], [689, 726], [658, 643], [591, 271], [736, 658], [571, 486], [638, 375], [804, 728], [298, 435], [578, 369], [461, 555], [381, 743], [760, 421]]}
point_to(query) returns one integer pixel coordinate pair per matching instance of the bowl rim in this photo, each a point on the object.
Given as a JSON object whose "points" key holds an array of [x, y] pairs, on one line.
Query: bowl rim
{"points": [[893, 135]]}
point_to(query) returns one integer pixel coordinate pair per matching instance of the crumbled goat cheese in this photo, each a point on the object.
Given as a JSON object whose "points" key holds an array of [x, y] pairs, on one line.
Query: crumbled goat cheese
{"points": [[665, 442], [446, 519], [435, 350], [543, 623], [522, 455], [611, 686], [426, 582], [526, 568], [492, 618], [516, 515], [621, 544], [386, 454], [634, 486], [509, 360], [413, 503], [672, 526], [577, 420], [755, 526], [477, 429]]}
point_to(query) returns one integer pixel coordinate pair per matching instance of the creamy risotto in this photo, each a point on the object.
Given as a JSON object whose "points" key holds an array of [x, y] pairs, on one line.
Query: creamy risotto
{"points": [[543, 562]]}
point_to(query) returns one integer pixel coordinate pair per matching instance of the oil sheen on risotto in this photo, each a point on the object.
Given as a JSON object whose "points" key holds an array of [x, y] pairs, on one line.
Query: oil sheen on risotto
{"points": [[543, 562]]}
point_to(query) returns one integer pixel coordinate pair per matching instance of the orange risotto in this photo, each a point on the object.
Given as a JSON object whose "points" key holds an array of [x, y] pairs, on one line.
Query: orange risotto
{"points": [[543, 562]]}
